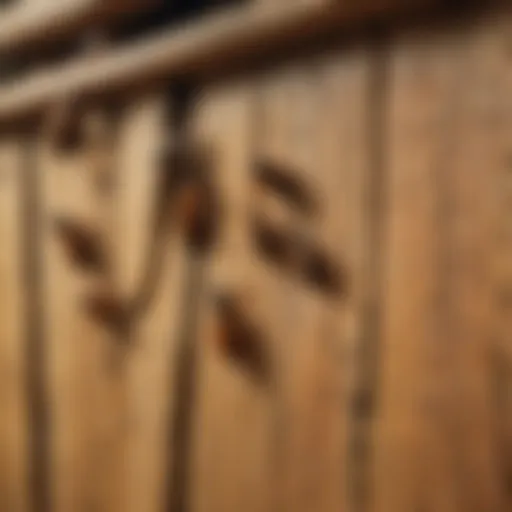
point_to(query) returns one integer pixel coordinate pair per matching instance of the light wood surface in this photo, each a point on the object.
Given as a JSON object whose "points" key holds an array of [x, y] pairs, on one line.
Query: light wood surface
{"points": [[150, 264], [375, 371], [86, 378], [315, 333], [409, 449], [232, 431]]}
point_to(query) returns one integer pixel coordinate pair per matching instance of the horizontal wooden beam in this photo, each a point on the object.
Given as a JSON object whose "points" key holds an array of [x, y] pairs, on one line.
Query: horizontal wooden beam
{"points": [[27, 24], [207, 45]]}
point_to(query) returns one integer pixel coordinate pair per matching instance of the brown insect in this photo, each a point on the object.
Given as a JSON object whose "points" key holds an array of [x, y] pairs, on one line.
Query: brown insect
{"points": [[238, 338], [82, 244]]}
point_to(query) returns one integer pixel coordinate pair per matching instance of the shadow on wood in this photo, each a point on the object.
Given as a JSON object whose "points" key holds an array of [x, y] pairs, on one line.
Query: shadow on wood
{"points": [[304, 261], [241, 340], [286, 183], [82, 244]]}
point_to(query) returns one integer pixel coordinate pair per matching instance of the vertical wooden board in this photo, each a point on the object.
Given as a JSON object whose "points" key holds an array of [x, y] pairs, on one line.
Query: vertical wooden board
{"points": [[150, 265], [436, 437], [266, 282], [287, 139], [313, 128], [481, 145], [328, 384], [484, 242], [81, 351], [465, 230], [231, 469], [411, 460], [340, 382], [13, 431]]}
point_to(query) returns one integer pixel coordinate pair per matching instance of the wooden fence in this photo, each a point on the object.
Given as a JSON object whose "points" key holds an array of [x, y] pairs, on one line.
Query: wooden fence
{"points": [[259, 262]]}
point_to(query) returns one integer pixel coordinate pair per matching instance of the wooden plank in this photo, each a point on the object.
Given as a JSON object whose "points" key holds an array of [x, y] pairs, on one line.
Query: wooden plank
{"points": [[483, 141], [411, 456], [83, 353], [150, 269], [313, 129], [231, 457], [488, 119], [435, 430], [14, 442], [346, 154], [478, 146], [291, 142], [26, 24], [269, 283], [226, 38]]}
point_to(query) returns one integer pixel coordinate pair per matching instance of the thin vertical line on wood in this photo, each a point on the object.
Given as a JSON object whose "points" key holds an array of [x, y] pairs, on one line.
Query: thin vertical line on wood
{"points": [[368, 356], [37, 399], [183, 382]]}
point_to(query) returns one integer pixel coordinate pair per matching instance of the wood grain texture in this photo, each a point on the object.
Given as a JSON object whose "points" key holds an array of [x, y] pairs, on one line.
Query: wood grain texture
{"points": [[345, 177], [480, 310], [14, 441], [268, 280], [475, 164], [435, 439], [410, 446], [86, 380], [232, 451], [150, 271], [312, 125], [351, 185]]}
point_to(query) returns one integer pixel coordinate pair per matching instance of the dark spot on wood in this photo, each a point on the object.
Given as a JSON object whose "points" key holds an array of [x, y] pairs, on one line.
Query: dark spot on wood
{"points": [[271, 243], [181, 162], [320, 271], [202, 217], [65, 125], [82, 243], [304, 261], [362, 404], [68, 138], [239, 339], [288, 184], [187, 185], [110, 311]]}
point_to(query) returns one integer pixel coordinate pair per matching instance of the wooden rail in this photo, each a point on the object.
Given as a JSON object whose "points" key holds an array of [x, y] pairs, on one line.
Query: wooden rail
{"points": [[216, 42], [24, 26]]}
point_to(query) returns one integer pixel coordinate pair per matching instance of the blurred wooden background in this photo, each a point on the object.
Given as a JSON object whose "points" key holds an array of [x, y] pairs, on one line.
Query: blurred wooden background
{"points": [[255, 258]]}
